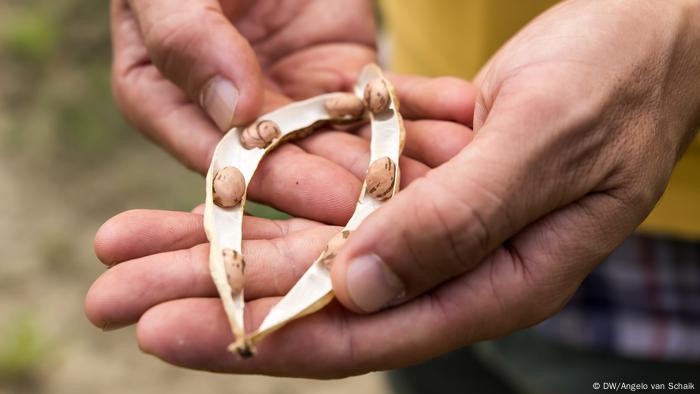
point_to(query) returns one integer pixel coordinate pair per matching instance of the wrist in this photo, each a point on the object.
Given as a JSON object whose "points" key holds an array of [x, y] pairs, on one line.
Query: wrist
{"points": [[674, 31], [684, 67], [691, 14]]}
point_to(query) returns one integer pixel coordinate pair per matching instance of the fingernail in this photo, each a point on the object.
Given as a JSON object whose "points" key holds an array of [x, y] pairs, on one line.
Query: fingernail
{"points": [[219, 99], [371, 284]]}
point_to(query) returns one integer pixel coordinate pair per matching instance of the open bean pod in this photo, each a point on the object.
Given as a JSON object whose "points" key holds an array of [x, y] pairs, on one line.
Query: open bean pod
{"points": [[233, 165]]}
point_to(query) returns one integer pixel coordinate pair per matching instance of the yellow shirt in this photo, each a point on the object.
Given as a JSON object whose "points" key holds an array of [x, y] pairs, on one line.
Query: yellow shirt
{"points": [[456, 37]]}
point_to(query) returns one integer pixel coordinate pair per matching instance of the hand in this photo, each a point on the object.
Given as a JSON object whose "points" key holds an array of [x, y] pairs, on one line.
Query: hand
{"points": [[159, 260], [579, 122], [184, 71]]}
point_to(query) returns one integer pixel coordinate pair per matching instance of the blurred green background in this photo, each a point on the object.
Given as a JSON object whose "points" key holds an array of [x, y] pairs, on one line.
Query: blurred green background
{"points": [[67, 163]]}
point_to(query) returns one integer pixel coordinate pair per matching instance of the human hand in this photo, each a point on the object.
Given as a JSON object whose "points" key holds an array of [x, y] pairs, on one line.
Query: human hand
{"points": [[579, 122], [159, 273], [184, 71]]}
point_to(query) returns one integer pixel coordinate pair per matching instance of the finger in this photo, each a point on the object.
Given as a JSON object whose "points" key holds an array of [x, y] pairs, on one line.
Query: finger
{"points": [[333, 342], [432, 142], [321, 69], [443, 98], [141, 232], [124, 292], [560, 249], [352, 153], [501, 295], [168, 119], [305, 185], [154, 105], [461, 211], [195, 46], [296, 26]]}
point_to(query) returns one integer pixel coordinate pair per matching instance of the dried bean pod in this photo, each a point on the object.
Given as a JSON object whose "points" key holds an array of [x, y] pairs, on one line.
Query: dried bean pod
{"points": [[346, 105], [223, 225], [315, 289], [243, 346], [259, 134], [333, 246], [228, 187], [376, 96], [381, 177], [235, 269]]}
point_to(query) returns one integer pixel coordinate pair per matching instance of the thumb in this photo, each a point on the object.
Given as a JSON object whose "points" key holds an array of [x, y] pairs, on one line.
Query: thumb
{"points": [[444, 224], [196, 47]]}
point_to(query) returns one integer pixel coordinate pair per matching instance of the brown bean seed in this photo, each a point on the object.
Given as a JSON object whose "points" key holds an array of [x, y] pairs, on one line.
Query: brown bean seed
{"points": [[376, 96], [235, 269], [259, 134], [229, 187], [380, 179], [333, 246], [344, 105]]}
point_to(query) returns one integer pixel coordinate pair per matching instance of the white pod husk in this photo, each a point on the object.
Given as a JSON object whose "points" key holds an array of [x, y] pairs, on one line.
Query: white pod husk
{"points": [[314, 289], [223, 226]]}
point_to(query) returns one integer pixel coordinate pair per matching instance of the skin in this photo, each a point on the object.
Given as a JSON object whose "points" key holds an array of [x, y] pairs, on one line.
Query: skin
{"points": [[572, 150], [159, 277], [166, 54], [578, 122]]}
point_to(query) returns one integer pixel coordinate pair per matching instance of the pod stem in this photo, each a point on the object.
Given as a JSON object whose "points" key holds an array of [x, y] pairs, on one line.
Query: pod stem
{"points": [[243, 346]]}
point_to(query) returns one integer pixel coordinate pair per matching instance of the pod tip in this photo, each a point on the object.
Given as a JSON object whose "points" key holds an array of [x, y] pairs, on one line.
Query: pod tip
{"points": [[244, 347]]}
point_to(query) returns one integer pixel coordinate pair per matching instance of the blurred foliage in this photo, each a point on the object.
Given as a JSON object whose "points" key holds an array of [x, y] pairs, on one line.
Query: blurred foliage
{"points": [[21, 350], [57, 89], [82, 132], [57, 115], [29, 37], [59, 255]]}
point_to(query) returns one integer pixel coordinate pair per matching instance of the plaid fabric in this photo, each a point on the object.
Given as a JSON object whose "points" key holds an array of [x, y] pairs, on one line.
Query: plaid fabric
{"points": [[643, 301]]}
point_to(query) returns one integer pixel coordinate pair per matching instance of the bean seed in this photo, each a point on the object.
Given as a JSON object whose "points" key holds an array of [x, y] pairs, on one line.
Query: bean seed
{"points": [[235, 269], [333, 246], [344, 105], [381, 177], [376, 96], [260, 134], [229, 186]]}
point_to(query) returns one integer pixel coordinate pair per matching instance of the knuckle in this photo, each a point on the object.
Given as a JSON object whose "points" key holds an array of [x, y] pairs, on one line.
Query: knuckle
{"points": [[466, 233], [637, 188], [168, 36], [470, 219], [175, 42], [546, 290]]}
